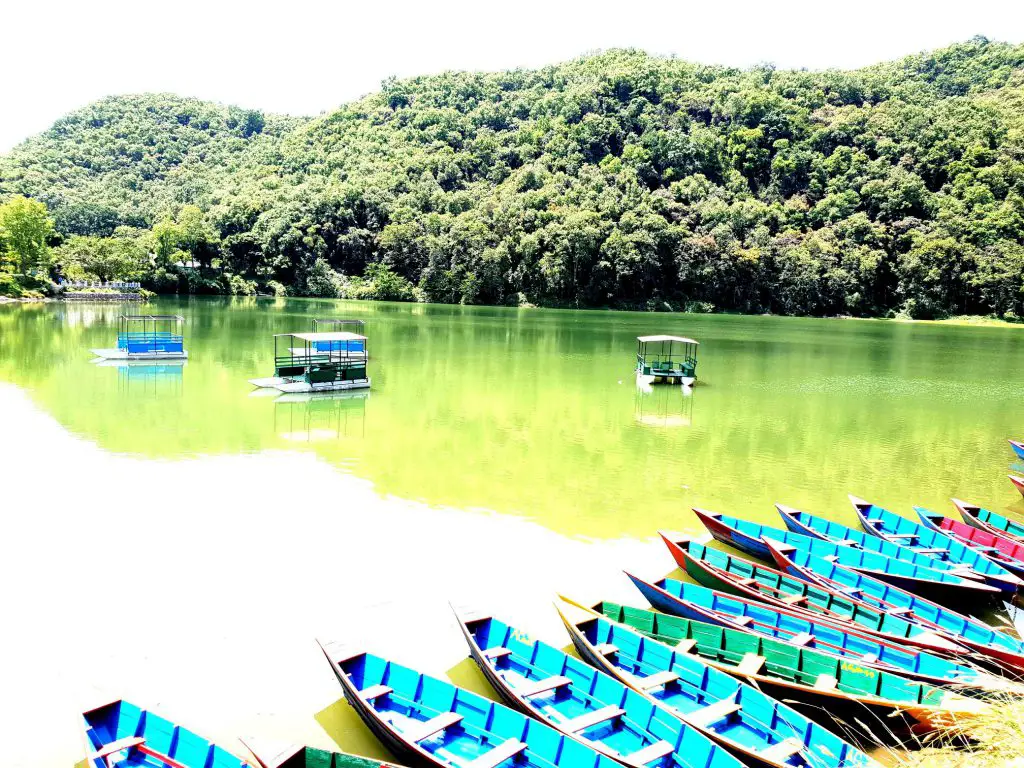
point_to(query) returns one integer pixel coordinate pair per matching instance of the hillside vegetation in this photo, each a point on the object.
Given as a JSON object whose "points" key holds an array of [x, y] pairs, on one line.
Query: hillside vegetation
{"points": [[618, 179]]}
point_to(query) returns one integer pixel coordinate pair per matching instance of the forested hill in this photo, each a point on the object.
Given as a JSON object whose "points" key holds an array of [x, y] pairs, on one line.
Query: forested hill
{"points": [[619, 179]]}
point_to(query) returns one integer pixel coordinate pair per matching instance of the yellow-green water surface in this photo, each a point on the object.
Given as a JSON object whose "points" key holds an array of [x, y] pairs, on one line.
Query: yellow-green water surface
{"points": [[537, 413]]}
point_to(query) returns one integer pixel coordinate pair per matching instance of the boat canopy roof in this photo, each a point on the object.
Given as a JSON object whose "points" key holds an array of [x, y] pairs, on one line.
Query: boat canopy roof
{"points": [[332, 336], [680, 339], [152, 317]]}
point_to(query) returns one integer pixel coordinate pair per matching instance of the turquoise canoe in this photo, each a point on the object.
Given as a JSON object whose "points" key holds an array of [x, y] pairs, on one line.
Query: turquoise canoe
{"points": [[753, 725], [1000, 646], [990, 521], [718, 570], [711, 607], [937, 546], [749, 537], [588, 705], [430, 722], [122, 734]]}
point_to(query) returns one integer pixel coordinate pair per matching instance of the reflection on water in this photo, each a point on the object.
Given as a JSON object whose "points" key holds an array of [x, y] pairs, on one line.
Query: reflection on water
{"points": [[664, 406], [535, 412], [307, 418]]}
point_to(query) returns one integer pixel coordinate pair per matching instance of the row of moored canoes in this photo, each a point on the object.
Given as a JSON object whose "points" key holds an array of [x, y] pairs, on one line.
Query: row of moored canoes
{"points": [[856, 624]]}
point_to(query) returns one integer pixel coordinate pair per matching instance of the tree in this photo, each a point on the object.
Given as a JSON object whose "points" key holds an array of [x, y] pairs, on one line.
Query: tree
{"points": [[105, 258], [27, 229]]}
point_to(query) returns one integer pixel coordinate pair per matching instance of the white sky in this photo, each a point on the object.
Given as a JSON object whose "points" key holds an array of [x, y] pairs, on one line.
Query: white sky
{"points": [[305, 57]]}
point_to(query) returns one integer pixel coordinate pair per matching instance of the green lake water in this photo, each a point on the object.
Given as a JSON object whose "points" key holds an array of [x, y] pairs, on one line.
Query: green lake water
{"points": [[536, 412]]}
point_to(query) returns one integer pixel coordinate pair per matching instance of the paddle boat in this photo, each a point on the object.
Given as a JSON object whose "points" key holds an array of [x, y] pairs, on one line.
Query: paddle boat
{"points": [[999, 646], [293, 756], [427, 721], [671, 359], [588, 705], [1018, 448], [905, 540], [758, 729], [1018, 483], [990, 521], [622, 641], [750, 537], [709, 606], [317, 362], [120, 734], [717, 570], [999, 549], [147, 337]]}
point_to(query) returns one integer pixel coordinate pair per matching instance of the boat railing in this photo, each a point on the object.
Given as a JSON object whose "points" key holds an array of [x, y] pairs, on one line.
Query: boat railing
{"points": [[150, 341]]}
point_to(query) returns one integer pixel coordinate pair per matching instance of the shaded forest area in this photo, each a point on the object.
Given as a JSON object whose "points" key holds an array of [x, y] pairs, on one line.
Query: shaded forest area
{"points": [[614, 180]]}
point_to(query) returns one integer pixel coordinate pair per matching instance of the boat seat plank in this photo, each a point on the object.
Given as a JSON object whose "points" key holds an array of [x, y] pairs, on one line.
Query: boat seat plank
{"points": [[375, 691], [751, 664], [497, 653], [781, 751], [592, 718], [649, 754], [801, 638], [117, 746], [606, 649], [875, 520], [497, 755], [746, 582], [901, 535], [826, 682], [425, 730], [850, 591], [713, 713], [170, 762], [743, 621], [658, 679], [795, 599], [543, 686], [934, 551], [897, 611], [869, 658], [830, 558], [686, 645]]}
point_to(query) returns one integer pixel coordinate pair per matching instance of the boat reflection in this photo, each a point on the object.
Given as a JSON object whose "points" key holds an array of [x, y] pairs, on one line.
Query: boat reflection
{"points": [[147, 376], [307, 418], [664, 406]]}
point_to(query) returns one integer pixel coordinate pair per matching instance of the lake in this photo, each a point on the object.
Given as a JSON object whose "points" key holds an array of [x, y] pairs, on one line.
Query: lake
{"points": [[180, 540]]}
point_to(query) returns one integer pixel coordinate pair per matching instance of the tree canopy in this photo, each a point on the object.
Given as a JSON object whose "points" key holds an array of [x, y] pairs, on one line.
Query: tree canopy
{"points": [[617, 179]]}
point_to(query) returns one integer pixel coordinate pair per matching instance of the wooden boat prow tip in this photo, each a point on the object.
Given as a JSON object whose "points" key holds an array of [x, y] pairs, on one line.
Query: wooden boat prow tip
{"points": [[776, 545], [338, 651], [858, 503], [573, 613], [269, 754], [678, 539], [786, 510], [1018, 483]]}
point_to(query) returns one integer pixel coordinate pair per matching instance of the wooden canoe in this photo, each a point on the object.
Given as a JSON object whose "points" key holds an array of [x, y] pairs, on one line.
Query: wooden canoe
{"points": [[584, 703], [1007, 552], [990, 521], [1018, 448], [783, 670], [718, 570], [750, 537], [992, 643], [120, 733], [754, 726], [269, 755], [430, 722], [921, 539], [1018, 483], [695, 602]]}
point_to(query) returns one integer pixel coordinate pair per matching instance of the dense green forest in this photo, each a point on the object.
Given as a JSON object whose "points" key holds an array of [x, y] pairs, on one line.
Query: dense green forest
{"points": [[618, 179]]}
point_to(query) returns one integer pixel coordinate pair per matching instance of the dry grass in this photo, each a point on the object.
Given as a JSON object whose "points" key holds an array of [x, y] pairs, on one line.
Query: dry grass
{"points": [[997, 741]]}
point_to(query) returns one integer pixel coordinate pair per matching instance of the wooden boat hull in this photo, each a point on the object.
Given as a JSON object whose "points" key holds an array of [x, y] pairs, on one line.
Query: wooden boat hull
{"points": [[1018, 483], [638, 715], [1008, 553], [295, 756], [815, 746], [715, 577], [120, 732], [986, 520], [1006, 650], [1018, 448], [943, 586], [543, 745], [919, 538], [669, 631]]}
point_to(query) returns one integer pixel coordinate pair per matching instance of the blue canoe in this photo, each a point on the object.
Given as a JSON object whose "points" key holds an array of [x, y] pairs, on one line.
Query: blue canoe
{"points": [[972, 632], [431, 722], [717, 570], [749, 537], [122, 734], [754, 725], [909, 534], [1018, 448], [585, 704], [706, 605], [987, 520]]}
